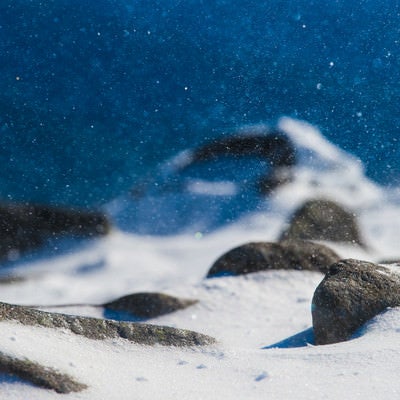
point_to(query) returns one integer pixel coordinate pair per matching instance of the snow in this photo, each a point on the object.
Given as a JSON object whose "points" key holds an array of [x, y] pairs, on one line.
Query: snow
{"points": [[245, 314], [261, 321]]}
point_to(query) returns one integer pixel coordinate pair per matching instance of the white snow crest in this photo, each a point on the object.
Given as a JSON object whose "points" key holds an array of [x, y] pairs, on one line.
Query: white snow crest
{"points": [[314, 149]]}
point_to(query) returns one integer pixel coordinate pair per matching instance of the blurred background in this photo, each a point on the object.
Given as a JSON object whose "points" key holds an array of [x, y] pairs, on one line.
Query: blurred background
{"points": [[95, 94]]}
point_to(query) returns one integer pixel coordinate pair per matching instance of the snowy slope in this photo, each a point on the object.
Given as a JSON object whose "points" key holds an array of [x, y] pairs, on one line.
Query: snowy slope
{"points": [[253, 317]]}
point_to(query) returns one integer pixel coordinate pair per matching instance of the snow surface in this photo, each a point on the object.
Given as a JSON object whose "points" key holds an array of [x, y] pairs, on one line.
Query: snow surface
{"points": [[261, 321]]}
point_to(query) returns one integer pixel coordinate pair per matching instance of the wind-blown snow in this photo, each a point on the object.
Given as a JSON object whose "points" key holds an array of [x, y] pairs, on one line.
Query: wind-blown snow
{"points": [[261, 321]]}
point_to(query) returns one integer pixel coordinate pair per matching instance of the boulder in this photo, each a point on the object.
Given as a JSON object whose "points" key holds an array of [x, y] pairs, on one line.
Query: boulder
{"points": [[261, 256], [272, 145], [37, 374], [351, 293], [25, 227], [99, 329], [10, 279], [148, 305], [323, 220]]}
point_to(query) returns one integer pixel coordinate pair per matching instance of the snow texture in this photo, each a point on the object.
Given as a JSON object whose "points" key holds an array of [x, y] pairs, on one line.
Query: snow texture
{"points": [[261, 321]]}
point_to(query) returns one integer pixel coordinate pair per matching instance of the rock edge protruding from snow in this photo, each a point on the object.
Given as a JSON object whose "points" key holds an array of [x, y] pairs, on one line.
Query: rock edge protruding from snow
{"points": [[99, 329]]}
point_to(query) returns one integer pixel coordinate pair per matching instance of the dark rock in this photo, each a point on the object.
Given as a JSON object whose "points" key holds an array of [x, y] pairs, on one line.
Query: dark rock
{"points": [[148, 305], [260, 256], [39, 375], [133, 307], [351, 293], [11, 279], [94, 328], [279, 176], [273, 145], [389, 261], [212, 184], [323, 220], [27, 226]]}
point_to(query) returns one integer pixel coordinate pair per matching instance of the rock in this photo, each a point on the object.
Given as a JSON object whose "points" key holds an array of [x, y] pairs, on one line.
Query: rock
{"points": [[11, 279], [323, 220], [389, 261], [25, 227], [260, 256], [278, 177], [351, 293], [272, 145], [39, 375], [148, 305], [99, 329], [212, 184]]}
